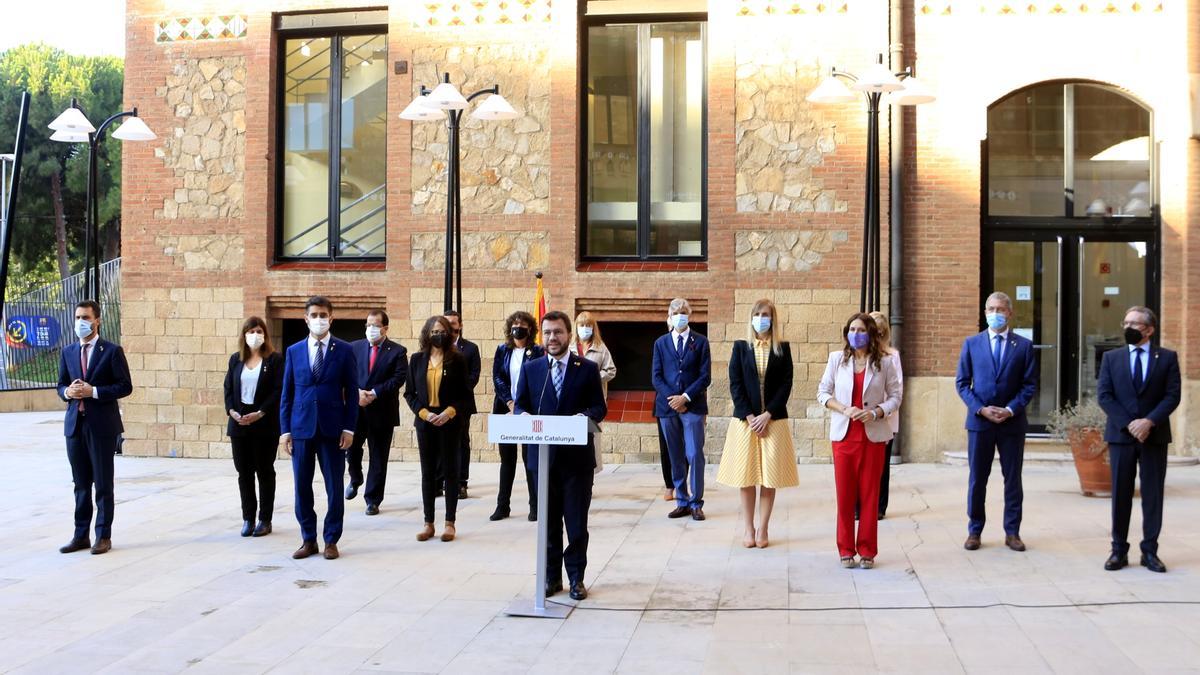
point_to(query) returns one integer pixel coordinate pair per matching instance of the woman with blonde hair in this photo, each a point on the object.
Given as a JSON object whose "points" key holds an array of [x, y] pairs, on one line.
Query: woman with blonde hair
{"points": [[885, 340], [590, 346], [758, 445]]}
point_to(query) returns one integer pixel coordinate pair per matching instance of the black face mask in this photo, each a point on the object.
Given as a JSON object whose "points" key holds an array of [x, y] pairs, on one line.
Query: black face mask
{"points": [[520, 332], [439, 340], [1133, 336]]}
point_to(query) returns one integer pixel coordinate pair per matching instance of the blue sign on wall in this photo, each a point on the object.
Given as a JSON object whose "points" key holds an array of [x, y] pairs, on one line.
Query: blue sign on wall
{"points": [[25, 332]]}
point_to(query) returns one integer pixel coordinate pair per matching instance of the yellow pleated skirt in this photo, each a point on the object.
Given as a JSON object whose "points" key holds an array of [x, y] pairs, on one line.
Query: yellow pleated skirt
{"points": [[749, 461]]}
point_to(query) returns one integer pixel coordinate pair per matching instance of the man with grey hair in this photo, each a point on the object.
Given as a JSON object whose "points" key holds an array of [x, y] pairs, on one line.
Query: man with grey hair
{"points": [[997, 378], [681, 372], [1139, 388]]}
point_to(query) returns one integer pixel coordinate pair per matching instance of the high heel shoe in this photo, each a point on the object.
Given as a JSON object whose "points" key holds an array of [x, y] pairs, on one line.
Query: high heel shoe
{"points": [[448, 532], [748, 539], [760, 538], [426, 534]]}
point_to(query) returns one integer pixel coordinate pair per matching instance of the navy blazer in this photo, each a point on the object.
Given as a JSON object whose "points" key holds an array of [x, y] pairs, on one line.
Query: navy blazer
{"points": [[501, 376], [452, 392], [674, 374], [474, 366], [1012, 387], [581, 395], [744, 384], [108, 373], [391, 370], [324, 407], [1155, 401], [266, 396]]}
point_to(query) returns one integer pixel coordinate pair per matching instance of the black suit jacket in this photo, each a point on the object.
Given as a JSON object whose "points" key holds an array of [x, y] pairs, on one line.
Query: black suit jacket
{"points": [[391, 370], [453, 391], [108, 373], [744, 384], [266, 396], [1155, 401], [470, 354], [501, 377], [581, 395]]}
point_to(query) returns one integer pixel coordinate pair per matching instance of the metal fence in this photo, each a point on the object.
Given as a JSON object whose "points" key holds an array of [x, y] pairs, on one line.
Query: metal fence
{"points": [[39, 324]]}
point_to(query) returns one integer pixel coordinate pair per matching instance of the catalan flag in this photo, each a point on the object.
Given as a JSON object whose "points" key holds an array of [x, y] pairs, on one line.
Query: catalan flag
{"points": [[539, 305]]}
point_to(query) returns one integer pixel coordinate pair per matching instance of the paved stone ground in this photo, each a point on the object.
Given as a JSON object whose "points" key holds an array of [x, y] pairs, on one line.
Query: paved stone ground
{"points": [[182, 591]]}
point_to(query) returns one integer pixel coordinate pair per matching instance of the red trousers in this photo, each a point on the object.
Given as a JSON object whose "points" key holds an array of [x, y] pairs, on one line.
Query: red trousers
{"points": [[857, 466]]}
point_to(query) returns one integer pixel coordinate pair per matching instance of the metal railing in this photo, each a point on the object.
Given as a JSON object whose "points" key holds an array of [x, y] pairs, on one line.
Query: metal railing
{"points": [[39, 324], [361, 224]]}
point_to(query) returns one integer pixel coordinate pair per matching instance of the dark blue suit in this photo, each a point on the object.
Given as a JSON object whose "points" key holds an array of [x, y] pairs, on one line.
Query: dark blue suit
{"points": [[377, 421], [1123, 402], [92, 433], [1010, 384], [316, 412], [571, 467], [687, 371]]}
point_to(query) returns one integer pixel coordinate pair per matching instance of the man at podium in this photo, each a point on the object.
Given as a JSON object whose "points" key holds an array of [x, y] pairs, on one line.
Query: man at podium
{"points": [[563, 383]]}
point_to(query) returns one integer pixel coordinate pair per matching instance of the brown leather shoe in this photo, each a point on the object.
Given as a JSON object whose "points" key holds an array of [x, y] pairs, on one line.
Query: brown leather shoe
{"points": [[331, 552], [76, 545], [1014, 542], [306, 549], [102, 546], [697, 513], [449, 532], [680, 512], [972, 542], [426, 534]]}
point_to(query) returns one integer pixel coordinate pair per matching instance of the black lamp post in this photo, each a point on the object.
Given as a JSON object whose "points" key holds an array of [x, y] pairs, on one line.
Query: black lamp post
{"points": [[445, 102], [874, 83]]}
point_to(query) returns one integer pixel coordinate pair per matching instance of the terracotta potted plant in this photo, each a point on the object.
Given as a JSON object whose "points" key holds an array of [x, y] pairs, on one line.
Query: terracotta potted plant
{"points": [[1082, 427]]}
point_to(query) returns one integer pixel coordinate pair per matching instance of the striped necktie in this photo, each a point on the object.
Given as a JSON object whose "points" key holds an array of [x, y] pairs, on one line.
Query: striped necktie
{"points": [[558, 378], [318, 361]]}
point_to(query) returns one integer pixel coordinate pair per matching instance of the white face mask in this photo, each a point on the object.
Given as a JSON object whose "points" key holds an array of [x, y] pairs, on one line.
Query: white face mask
{"points": [[83, 328], [254, 340], [585, 333], [374, 333], [679, 322], [318, 327]]}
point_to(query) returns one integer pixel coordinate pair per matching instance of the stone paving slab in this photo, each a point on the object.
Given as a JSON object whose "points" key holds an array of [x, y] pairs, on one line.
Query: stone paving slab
{"points": [[181, 591]]}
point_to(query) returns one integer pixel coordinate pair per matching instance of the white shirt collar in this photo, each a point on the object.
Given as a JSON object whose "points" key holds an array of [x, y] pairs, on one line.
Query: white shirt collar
{"points": [[312, 341], [565, 359], [91, 342], [686, 332], [1133, 347], [992, 335]]}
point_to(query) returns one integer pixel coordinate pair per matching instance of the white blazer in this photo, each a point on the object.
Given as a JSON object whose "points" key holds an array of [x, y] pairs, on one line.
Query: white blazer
{"points": [[894, 417], [880, 388]]}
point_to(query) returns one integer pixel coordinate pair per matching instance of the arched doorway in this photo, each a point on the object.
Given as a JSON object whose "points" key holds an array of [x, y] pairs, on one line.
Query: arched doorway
{"points": [[1070, 225]]}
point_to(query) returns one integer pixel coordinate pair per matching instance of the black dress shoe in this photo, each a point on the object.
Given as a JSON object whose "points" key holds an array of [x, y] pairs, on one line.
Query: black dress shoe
{"points": [[553, 587], [351, 491], [578, 592], [680, 512], [76, 545], [247, 528], [372, 510], [532, 516], [697, 513], [1115, 562], [1151, 562], [262, 529], [462, 492], [499, 514]]}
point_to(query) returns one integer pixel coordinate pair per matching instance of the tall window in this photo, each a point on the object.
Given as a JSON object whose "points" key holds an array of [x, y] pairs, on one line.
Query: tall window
{"points": [[644, 153], [332, 181]]}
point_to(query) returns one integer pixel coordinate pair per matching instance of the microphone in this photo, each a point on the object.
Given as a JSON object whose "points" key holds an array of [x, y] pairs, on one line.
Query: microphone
{"points": [[546, 381]]}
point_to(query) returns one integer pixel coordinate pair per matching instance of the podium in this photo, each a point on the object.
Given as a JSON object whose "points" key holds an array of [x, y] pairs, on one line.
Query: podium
{"points": [[543, 431]]}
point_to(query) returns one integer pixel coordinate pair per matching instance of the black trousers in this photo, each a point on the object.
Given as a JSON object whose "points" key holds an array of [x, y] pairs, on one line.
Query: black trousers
{"points": [[379, 449], [508, 472], [464, 455], [664, 457], [1125, 458], [91, 458], [254, 456], [570, 497], [439, 447], [885, 479]]}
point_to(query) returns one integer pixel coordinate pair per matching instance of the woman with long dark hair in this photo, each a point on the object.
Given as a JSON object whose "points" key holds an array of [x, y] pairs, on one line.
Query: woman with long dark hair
{"points": [[518, 348]]}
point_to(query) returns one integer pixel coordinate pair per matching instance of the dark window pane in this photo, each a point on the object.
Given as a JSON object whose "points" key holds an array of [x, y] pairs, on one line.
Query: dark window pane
{"points": [[363, 190], [1025, 153], [612, 137], [1112, 154]]}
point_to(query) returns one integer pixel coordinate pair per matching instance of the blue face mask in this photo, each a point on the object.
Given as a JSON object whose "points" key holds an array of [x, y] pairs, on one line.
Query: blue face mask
{"points": [[761, 324], [997, 321], [83, 328], [679, 321], [858, 340]]}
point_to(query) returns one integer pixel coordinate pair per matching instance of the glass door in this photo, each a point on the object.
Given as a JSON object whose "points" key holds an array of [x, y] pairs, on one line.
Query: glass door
{"points": [[1112, 278]]}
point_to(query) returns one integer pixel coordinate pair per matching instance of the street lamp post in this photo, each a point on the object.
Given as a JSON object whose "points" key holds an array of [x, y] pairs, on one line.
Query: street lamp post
{"points": [[901, 89], [445, 102], [72, 126]]}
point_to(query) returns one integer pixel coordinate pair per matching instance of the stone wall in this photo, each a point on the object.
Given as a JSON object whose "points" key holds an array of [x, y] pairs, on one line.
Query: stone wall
{"points": [[784, 250], [214, 252], [207, 147], [514, 251], [505, 165]]}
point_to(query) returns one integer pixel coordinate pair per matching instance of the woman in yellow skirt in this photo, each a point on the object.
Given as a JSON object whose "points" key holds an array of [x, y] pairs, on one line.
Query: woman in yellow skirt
{"points": [[758, 447]]}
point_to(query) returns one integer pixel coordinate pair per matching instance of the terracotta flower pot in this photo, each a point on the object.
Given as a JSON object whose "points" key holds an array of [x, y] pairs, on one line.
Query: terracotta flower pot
{"points": [[1091, 462]]}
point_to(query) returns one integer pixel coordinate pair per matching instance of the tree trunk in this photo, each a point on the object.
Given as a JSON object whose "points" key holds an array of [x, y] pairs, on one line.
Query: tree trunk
{"points": [[60, 225]]}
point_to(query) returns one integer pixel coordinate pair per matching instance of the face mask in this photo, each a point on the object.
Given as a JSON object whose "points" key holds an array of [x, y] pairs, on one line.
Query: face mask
{"points": [[997, 321], [254, 340], [761, 324], [83, 328], [439, 340], [520, 332], [679, 321], [374, 333], [585, 333], [1133, 336], [858, 340], [318, 327]]}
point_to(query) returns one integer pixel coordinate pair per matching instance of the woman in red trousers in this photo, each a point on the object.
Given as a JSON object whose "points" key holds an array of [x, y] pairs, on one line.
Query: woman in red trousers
{"points": [[861, 387]]}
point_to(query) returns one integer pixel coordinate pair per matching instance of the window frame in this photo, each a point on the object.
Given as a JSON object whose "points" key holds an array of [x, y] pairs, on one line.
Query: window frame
{"points": [[643, 21], [336, 34]]}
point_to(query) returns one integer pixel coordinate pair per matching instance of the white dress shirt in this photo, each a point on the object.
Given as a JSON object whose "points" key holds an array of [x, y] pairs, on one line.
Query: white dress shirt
{"points": [[91, 354], [1003, 342], [250, 382], [514, 369], [1144, 357], [312, 348], [675, 336]]}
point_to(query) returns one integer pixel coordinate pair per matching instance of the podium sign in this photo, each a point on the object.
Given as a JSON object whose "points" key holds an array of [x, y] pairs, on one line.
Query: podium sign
{"points": [[543, 431]]}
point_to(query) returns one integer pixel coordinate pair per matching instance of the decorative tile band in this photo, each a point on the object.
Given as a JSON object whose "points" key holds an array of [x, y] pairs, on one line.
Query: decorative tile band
{"points": [[789, 8], [191, 29], [1047, 8], [481, 13]]}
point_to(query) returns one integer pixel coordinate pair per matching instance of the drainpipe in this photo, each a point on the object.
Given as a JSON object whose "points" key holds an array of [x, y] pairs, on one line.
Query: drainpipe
{"points": [[896, 26]]}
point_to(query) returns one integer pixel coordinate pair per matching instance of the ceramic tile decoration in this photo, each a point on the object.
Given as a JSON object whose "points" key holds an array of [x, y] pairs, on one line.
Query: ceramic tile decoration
{"points": [[191, 29], [792, 8], [482, 13], [1018, 8]]}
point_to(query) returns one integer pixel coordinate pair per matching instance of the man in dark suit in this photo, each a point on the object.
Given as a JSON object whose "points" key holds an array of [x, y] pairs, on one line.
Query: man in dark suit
{"points": [[382, 369], [564, 383], [318, 412], [92, 376], [470, 352], [681, 372], [1139, 388], [997, 378]]}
